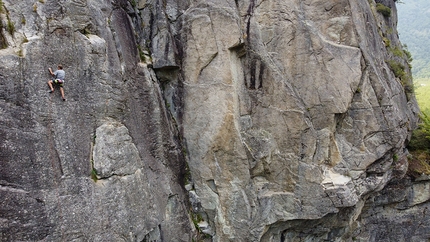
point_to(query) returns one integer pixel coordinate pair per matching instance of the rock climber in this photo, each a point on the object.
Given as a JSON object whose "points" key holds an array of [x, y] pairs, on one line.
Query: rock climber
{"points": [[58, 75]]}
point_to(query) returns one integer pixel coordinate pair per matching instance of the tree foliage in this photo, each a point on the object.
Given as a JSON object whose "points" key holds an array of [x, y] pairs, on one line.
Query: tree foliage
{"points": [[421, 136], [414, 29], [419, 146]]}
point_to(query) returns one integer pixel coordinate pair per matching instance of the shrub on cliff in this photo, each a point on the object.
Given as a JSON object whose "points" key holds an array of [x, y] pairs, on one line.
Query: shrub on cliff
{"points": [[397, 68], [421, 137], [419, 162], [384, 10], [404, 76]]}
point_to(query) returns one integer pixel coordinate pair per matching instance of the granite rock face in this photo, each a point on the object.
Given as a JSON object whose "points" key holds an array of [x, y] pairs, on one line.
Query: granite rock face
{"points": [[106, 165], [206, 120]]}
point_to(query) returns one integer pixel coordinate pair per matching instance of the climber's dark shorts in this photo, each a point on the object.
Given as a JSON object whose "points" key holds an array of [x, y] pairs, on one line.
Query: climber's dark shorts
{"points": [[59, 82]]}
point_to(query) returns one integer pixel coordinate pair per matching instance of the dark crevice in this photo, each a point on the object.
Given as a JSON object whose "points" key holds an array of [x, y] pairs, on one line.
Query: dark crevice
{"points": [[249, 13], [240, 49], [207, 64], [161, 232], [113, 175], [3, 43], [260, 76], [12, 186], [252, 81], [255, 68], [338, 118]]}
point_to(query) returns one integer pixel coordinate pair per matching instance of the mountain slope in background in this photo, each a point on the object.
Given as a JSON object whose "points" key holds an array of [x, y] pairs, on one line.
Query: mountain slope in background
{"points": [[414, 29]]}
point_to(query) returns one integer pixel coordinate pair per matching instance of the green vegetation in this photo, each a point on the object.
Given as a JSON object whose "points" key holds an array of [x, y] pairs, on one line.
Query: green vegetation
{"points": [[395, 157], [413, 27], [10, 26], [197, 218], [405, 77], [402, 53], [133, 3], [397, 51], [384, 10], [419, 146], [387, 42], [421, 135], [85, 31], [94, 175], [419, 163], [399, 57], [407, 53], [397, 68], [141, 54]]}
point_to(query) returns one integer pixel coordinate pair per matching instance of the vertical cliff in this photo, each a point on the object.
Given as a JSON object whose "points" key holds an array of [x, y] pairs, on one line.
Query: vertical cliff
{"points": [[107, 164], [206, 120]]}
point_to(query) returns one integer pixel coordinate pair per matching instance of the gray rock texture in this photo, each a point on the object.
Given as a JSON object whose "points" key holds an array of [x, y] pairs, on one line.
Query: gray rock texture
{"points": [[253, 120]]}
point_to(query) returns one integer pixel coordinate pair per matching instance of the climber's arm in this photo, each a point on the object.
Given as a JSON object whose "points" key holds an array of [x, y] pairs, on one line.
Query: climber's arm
{"points": [[50, 71]]}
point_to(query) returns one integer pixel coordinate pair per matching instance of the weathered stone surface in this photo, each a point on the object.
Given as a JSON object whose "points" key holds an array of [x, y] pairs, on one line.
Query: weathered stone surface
{"points": [[282, 118], [303, 68], [49, 148], [114, 152], [397, 213]]}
